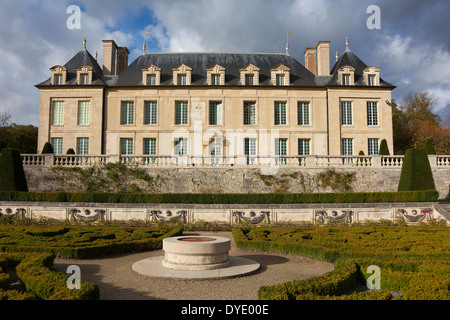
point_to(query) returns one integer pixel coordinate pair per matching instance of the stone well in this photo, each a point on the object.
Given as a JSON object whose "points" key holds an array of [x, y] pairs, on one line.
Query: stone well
{"points": [[196, 252]]}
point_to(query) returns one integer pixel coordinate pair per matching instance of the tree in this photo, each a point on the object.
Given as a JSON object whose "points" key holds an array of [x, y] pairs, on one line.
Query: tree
{"points": [[413, 121], [12, 176], [48, 148], [429, 148]]}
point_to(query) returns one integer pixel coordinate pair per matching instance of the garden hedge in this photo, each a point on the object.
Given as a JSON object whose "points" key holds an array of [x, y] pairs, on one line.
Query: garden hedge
{"points": [[269, 198], [414, 261], [416, 172], [12, 176]]}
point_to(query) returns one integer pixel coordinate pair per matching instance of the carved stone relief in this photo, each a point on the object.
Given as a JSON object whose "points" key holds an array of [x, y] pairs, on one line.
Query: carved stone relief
{"points": [[252, 217]]}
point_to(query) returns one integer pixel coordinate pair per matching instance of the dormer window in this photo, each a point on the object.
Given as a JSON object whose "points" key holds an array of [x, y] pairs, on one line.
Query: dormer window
{"points": [[372, 76], [250, 75], [84, 75], [182, 75], [58, 79], [58, 75], [346, 76], [151, 75], [280, 75], [215, 75]]}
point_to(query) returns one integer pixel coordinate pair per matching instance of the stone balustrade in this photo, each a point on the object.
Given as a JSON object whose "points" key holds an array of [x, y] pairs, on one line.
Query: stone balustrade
{"points": [[315, 161]]}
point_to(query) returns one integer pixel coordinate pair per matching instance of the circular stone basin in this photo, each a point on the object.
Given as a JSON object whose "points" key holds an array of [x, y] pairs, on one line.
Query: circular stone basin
{"points": [[196, 253]]}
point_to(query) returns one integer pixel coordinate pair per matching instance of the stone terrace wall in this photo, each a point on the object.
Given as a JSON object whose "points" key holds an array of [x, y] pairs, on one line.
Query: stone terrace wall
{"points": [[247, 180]]}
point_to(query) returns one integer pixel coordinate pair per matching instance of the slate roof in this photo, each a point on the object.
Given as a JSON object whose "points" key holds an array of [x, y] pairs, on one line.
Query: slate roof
{"points": [[199, 62], [348, 58]]}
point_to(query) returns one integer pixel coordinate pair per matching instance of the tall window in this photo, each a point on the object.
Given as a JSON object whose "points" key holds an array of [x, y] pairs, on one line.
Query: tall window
{"points": [[127, 114], [347, 147], [280, 79], [57, 144], [181, 113], [126, 146], [250, 150], [58, 113], [346, 113], [57, 79], [180, 147], [151, 113], [181, 80], [215, 150], [249, 79], [215, 113], [373, 146], [371, 80], [303, 114], [84, 110], [372, 113], [249, 113], [84, 78], [150, 146], [82, 145], [280, 150], [304, 147], [215, 79], [280, 113]]}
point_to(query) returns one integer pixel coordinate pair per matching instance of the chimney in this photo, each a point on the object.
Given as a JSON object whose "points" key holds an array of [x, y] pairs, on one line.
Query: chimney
{"points": [[109, 57], [310, 59], [122, 59], [323, 58]]}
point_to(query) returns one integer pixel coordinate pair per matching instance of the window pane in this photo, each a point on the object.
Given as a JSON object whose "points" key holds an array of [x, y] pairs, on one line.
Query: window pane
{"points": [[372, 113], [84, 109], [280, 113], [181, 112], [57, 80], [215, 79], [346, 113], [82, 145], [249, 80], [280, 147], [371, 80], [126, 146], [215, 113], [181, 79], [180, 147], [303, 113], [150, 112], [58, 113], [373, 146], [84, 78], [280, 80], [249, 113], [303, 147], [150, 146], [127, 116], [347, 147], [346, 78], [57, 144], [151, 79]]}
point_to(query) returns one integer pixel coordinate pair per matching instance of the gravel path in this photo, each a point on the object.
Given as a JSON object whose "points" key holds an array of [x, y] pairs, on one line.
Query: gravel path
{"points": [[117, 281]]}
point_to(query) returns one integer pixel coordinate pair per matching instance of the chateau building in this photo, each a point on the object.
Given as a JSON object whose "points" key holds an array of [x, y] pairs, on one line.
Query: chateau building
{"points": [[219, 104]]}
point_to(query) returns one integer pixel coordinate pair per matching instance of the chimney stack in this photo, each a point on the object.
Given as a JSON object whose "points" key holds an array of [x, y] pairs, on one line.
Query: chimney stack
{"points": [[122, 59], [323, 58], [310, 59], [109, 57]]}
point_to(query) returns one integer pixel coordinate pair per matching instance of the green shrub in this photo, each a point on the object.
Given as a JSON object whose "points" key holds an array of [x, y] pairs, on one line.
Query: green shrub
{"points": [[70, 151], [384, 150], [12, 176], [48, 148], [429, 147], [416, 172]]}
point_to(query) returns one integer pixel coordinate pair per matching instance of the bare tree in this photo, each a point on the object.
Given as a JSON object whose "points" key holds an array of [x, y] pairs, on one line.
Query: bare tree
{"points": [[5, 116]]}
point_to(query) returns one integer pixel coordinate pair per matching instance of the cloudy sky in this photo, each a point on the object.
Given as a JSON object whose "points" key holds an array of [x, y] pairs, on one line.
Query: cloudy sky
{"points": [[412, 45]]}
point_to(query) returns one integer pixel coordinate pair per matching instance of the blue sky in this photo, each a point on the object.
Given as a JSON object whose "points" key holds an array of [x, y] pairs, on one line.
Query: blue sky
{"points": [[412, 47]]}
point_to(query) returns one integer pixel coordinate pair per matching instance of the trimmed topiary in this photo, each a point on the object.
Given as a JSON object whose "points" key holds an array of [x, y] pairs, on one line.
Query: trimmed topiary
{"points": [[70, 151], [48, 148], [12, 176], [384, 150], [429, 147], [416, 172]]}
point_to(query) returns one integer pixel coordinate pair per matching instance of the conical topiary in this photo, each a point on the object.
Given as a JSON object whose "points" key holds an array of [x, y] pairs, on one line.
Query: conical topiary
{"points": [[384, 150], [416, 172], [12, 176], [429, 147]]}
